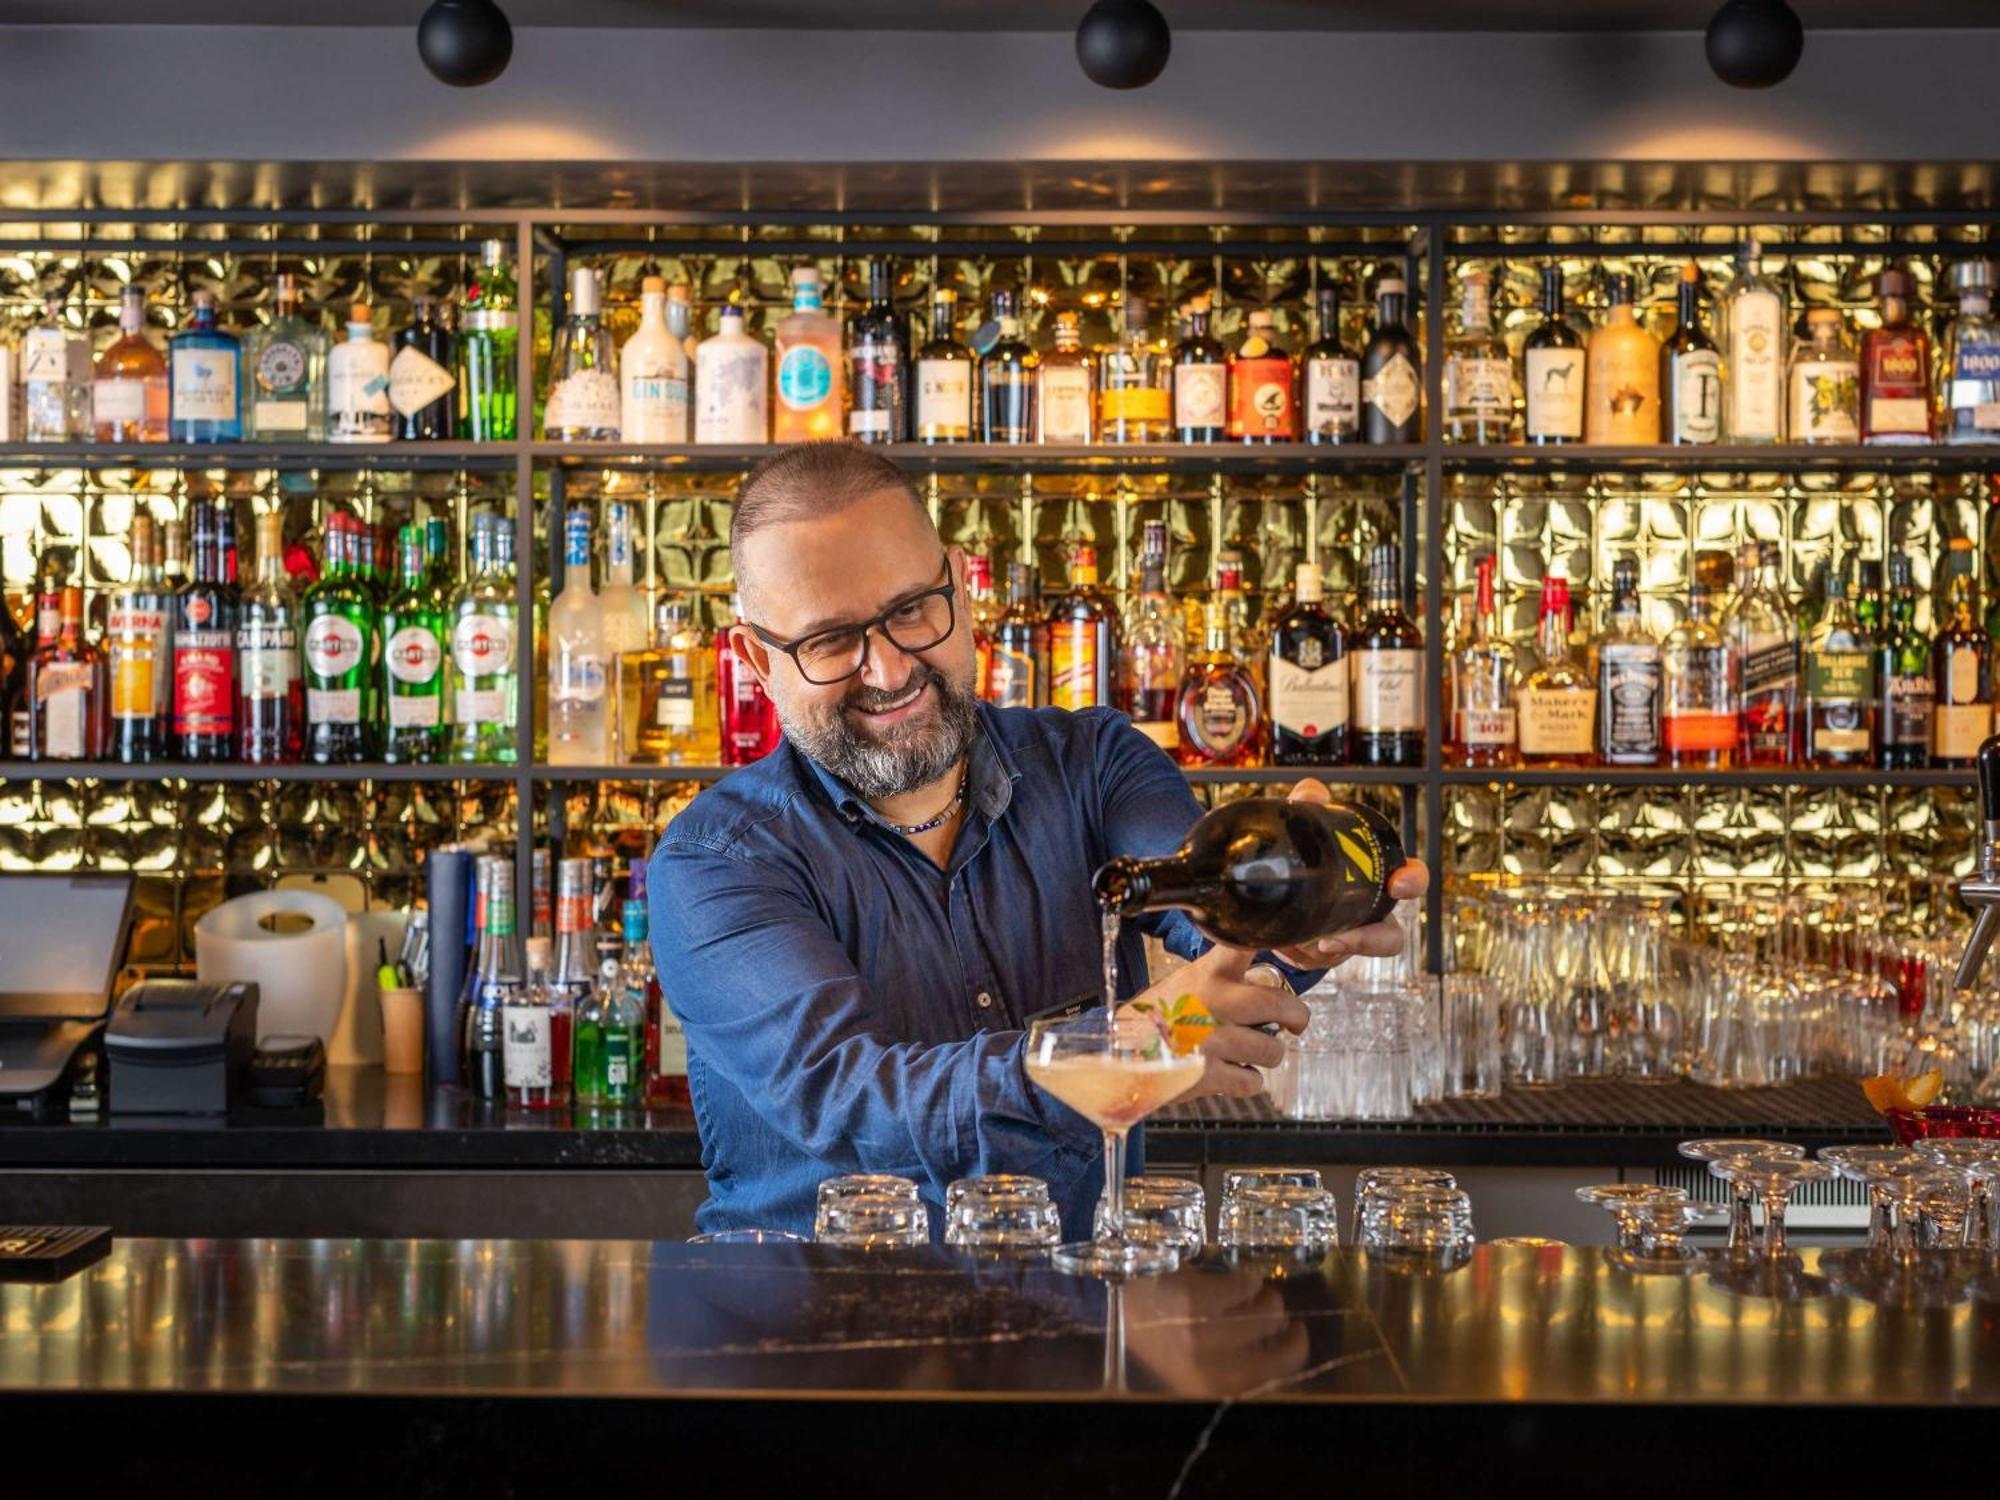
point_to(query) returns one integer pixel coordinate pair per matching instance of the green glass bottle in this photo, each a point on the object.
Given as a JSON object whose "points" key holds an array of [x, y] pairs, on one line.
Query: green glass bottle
{"points": [[487, 343], [610, 1038], [412, 676], [485, 677], [1903, 677], [340, 651]]}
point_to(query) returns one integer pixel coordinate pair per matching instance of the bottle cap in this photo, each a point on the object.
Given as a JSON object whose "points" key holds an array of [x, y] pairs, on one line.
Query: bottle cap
{"points": [[1690, 274], [1824, 317], [734, 315], [203, 298], [1390, 286], [584, 299], [1972, 276], [1900, 575], [1893, 282], [537, 950], [360, 315], [678, 292], [653, 286]]}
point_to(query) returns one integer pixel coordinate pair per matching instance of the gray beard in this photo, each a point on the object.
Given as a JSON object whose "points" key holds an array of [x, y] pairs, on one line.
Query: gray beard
{"points": [[876, 770]]}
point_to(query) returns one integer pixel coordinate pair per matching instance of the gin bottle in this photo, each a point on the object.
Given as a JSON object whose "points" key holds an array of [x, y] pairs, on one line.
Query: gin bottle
{"points": [[284, 374], [55, 379], [610, 1047], [129, 393], [1753, 320], [484, 626], [653, 373], [731, 385], [496, 984], [579, 729], [807, 349], [527, 1051], [1825, 382], [421, 382], [489, 337], [204, 401], [357, 383], [582, 402]]}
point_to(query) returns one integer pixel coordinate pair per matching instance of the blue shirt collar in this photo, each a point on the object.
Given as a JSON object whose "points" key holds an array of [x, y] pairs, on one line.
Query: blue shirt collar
{"points": [[990, 780]]}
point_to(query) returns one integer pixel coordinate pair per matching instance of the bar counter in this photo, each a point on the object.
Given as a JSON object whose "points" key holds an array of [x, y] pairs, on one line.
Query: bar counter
{"points": [[467, 1362]]}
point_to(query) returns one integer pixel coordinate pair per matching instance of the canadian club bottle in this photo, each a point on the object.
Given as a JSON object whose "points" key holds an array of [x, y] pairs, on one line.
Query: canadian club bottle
{"points": [[1265, 873], [272, 715], [340, 652], [1019, 674], [138, 641], [1391, 373], [1083, 641], [1840, 683], [205, 650], [1308, 680], [1388, 658]]}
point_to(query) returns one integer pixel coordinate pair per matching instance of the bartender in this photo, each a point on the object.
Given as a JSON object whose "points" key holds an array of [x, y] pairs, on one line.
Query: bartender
{"points": [[856, 930]]}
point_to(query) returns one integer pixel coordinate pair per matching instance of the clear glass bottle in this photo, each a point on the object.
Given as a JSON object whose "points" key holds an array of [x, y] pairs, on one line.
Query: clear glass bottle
{"points": [[1553, 370], [1839, 671], [496, 983], [1478, 372], [668, 693], [1329, 376], [1558, 701], [653, 374], [627, 620], [944, 378], [204, 395], [1961, 662], [1220, 712], [1386, 688], [1700, 682], [1155, 659], [1485, 720], [1628, 669], [1896, 369], [877, 376], [1622, 388], [1691, 372], [1007, 379], [270, 723], [1969, 389], [806, 346], [284, 373], [129, 394], [412, 681], [55, 378], [1201, 379], [579, 675], [342, 643], [1066, 388], [527, 1047], [732, 402], [1307, 679], [1134, 383], [357, 383], [1754, 334], [574, 974], [488, 344], [1263, 385], [582, 403], [1825, 382], [484, 630], [422, 385]]}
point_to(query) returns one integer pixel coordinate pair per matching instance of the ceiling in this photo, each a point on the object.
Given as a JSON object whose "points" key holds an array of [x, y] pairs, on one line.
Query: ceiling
{"points": [[1013, 15]]}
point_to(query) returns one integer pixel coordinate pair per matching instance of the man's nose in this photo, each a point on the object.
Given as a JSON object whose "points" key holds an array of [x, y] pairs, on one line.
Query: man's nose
{"points": [[889, 665]]}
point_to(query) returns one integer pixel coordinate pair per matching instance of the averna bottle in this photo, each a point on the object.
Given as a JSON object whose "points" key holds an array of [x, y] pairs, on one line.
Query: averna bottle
{"points": [[1265, 873]]}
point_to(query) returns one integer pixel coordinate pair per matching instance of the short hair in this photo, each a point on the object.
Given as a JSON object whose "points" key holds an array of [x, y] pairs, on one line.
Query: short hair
{"points": [[812, 479]]}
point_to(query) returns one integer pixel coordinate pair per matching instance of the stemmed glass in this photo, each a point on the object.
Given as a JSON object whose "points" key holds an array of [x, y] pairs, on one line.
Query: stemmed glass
{"points": [[1978, 1162], [1630, 1204], [1775, 1178], [1875, 1167], [1712, 1151], [1114, 1068]]}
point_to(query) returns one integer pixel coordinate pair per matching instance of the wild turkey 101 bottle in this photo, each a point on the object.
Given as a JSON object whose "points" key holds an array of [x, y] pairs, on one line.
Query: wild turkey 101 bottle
{"points": [[1388, 657]]}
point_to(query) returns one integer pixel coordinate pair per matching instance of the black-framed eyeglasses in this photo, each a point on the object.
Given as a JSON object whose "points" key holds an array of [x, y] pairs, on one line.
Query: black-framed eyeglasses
{"points": [[916, 623]]}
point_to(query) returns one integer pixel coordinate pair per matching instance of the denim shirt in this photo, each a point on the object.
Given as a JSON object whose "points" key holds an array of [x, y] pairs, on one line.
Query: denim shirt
{"points": [[850, 1007]]}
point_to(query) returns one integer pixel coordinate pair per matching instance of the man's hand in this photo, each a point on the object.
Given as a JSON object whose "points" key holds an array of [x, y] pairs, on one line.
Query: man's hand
{"points": [[1377, 939], [1233, 1050]]}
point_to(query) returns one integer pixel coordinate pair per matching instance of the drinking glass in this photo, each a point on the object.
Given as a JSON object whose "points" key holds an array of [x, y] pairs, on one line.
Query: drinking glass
{"points": [[996, 1185], [1169, 1211], [874, 1221], [1720, 1149], [1114, 1068], [837, 1190], [1421, 1229], [1978, 1162], [1279, 1217], [1373, 1179], [1659, 1241], [1874, 1167], [747, 1237], [1471, 1036], [1385, 1203], [1245, 1179], [1774, 1178], [1007, 1220], [1628, 1202]]}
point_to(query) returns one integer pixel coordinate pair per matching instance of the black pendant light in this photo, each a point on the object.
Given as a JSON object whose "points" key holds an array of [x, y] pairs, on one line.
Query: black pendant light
{"points": [[465, 42], [1123, 44], [1753, 44]]}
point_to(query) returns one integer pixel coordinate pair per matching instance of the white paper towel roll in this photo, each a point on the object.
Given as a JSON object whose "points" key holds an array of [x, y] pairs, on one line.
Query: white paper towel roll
{"points": [[292, 944]]}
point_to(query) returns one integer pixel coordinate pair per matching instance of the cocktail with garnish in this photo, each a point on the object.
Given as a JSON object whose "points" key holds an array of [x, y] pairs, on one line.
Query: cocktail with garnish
{"points": [[1114, 1066]]}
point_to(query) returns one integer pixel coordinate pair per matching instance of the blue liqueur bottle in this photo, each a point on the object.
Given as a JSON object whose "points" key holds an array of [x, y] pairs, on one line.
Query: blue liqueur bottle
{"points": [[204, 400]]}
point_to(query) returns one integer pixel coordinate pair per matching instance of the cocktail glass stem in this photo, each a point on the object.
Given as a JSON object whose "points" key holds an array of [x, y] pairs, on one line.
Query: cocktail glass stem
{"points": [[1881, 1227], [1774, 1223], [1114, 1188], [1739, 1217]]}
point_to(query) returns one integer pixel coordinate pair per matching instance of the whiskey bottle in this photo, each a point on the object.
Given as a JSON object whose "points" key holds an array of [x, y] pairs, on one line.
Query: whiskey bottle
{"points": [[1155, 660], [1201, 380], [271, 716], [1307, 673], [1700, 684], [944, 378], [1553, 370], [1971, 365], [1628, 678], [1839, 684], [1391, 373], [1083, 640], [1761, 630], [138, 647], [1825, 382], [1386, 688], [1961, 661], [205, 650], [1331, 377], [1691, 372], [1262, 397], [1133, 383], [1895, 370], [1020, 672], [1558, 700], [68, 701], [1754, 326], [1484, 716], [1221, 718], [1007, 372], [877, 381], [1622, 388], [1478, 374], [1065, 403]]}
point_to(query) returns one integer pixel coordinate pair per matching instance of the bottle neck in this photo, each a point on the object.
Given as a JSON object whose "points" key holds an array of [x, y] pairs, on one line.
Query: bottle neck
{"points": [[941, 314], [1389, 309], [1477, 311], [1554, 632], [1552, 297]]}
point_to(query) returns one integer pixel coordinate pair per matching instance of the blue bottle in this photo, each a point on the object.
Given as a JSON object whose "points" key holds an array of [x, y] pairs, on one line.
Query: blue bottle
{"points": [[204, 397]]}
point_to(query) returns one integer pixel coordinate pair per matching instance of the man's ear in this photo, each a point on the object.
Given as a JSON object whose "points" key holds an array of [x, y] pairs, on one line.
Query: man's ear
{"points": [[743, 641]]}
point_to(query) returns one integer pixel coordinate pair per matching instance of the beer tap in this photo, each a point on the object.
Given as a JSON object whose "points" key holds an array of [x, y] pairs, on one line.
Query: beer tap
{"points": [[1982, 891]]}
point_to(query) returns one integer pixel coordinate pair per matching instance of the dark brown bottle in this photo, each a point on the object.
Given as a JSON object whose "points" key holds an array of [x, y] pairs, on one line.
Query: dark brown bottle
{"points": [[1307, 680], [1387, 686], [1266, 873]]}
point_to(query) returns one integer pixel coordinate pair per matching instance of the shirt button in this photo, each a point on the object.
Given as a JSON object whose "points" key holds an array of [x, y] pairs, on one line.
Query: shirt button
{"points": [[985, 1000]]}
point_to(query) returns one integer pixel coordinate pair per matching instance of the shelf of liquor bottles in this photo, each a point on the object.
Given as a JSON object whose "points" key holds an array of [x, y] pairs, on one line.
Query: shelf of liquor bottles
{"points": [[1218, 458], [300, 772], [279, 457]]}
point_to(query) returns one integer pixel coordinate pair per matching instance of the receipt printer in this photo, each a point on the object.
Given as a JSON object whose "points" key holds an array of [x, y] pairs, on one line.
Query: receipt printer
{"points": [[180, 1047]]}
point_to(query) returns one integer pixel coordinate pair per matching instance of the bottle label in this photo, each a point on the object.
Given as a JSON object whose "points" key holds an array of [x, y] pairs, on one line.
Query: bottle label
{"points": [[1011, 679], [267, 660], [1974, 381], [118, 401], [1908, 701], [730, 402], [1386, 691], [1393, 391], [357, 389], [1756, 381], [1839, 685], [1629, 684], [1135, 402], [674, 707], [1557, 721], [672, 1060], [583, 401], [135, 636], [1697, 378], [1201, 395], [656, 403], [1770, 665], [1065, 406], [204, 384], [875, 374], [334, 646], [805, 377], [482, 645], [415, 710], [1826, 401], [1555, 393], [1700, 732], [1958, 729], [414, 656], [1479, 387], [1623, 388], [944, 398], [45, 356], [1479, 728], [1261, 398], [576, 677], [1961, 679], [1009, 404], [416, 381], [1333, 397], [1073, 664], [618, 1061], [526, 1050], [1309, 701], [1222, 718], [281, 366], [62, 688], [204, 682]]}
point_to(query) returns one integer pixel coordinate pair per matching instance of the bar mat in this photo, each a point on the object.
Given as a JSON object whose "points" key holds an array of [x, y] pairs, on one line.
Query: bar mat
{"points": [[50, 1252]]}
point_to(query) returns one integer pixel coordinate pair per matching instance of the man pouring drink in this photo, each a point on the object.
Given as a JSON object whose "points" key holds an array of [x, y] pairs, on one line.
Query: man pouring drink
{"points": [[857, 931]]}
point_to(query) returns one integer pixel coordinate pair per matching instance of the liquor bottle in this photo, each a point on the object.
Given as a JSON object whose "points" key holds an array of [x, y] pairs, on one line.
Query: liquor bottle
{"points": [[807, 345], [943, 378], [1622, 388], [1263, 396], [1201, 380], [1903, 718], [622, 607], [1484, 717], [1220, 713], [69, 700], [1970, 382], [1960, 663], [496, 984], [1155, 661], [732, 402], [666, 1048], [284, 373], [1391, 373], [1700, 715], [55, 379], [357, 383], [1307, 676], [527, 1050], [1261, 872], [488, 340], [582, 402], [983, 612], [878, 393], [15, 651], [271, 710], [1867, 597], [1478, 373], [138, 648], [653, 373], [421, 383], [749, 717], [1825, 382], [579, 673], [1766, 642], [1895, 369], [204, 397], [1066, 388], [573, 976], [1133, 383], [1007, 375], [129, 394], [1558, 701], [1386, 689], [412, 681], [205, 650], [484, 627], [1247, 636], [668, 693], [342, 641], [1020, 673], [1330, 376], [1839, 675], [1083, 640], [1691, 372], [1753, 321], [610, 1044], [1628, 666], [1553, 370], [174, 572]]}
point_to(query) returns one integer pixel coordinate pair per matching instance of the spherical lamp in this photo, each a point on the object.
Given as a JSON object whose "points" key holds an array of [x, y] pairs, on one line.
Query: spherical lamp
{"points": [[465, 43], [1753, 44], [1123, 44]]}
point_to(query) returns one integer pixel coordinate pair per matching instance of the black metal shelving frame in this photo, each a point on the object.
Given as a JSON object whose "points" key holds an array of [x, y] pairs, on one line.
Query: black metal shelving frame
{"points": [[1426, 241]]}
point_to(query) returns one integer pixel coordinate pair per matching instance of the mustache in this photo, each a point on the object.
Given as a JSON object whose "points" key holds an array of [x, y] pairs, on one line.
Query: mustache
{"points": [[868, 699]]}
